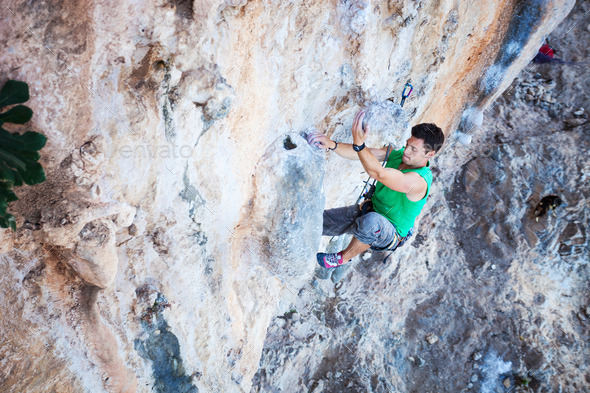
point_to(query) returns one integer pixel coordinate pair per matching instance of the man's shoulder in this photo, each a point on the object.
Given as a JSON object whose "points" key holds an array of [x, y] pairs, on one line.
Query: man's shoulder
{"points": [[422, 175], [424, 171], [420, 179]]}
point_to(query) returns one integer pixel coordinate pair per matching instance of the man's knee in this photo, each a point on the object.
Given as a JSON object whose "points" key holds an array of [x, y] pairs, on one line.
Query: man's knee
{"points": [[373, 229]]}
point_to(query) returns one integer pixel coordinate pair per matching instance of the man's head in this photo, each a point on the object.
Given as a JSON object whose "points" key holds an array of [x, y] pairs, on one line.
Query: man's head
{"points": [[426, 141]]}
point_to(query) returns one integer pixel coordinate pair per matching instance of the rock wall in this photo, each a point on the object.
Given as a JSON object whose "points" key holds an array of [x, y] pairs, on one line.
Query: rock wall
{"points": [[182, 207], [491, 294]]}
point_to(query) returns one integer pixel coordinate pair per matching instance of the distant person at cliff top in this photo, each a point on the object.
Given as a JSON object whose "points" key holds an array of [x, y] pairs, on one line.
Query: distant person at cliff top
{"points": [[546, 54], [401, 192]]}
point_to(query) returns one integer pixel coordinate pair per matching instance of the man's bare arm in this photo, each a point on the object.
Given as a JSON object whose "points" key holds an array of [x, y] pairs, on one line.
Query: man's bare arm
{"points": [[345, 150], [410, 183], [342, 149]]}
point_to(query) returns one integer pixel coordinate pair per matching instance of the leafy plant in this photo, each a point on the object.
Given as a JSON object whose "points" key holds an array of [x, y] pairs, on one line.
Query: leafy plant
{"points": [[288, 314], [18, 153], [525, 381]]}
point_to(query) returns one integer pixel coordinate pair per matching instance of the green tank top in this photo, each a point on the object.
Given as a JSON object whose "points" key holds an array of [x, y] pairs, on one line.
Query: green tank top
{"points": [[396, 206]]}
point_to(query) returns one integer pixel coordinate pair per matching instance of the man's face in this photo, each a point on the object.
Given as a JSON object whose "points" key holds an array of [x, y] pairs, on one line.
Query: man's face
{"points": [[415, 154]]}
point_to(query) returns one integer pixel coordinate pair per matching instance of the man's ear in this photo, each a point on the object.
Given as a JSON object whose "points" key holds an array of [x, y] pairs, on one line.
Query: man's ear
{"points": [[430, 154]]}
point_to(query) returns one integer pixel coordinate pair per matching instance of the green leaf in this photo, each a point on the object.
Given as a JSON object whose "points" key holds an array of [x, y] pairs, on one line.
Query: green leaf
{"points": [[6, 174], [10, 141], [8, 221], [18, 179], [20, 114], [3, 205], [14, 92], [6, 193], [33, 140], [33, 174], [12, 160], [30, 155], [18, 153], [11, 196], [30, 140]]}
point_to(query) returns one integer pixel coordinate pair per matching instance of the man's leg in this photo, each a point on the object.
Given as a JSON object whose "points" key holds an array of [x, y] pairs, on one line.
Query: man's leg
{"points": [[339, 220], [372, 229], [354, 248]]}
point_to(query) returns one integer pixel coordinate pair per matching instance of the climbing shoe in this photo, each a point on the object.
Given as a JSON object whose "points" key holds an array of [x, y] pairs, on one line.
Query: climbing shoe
{"points": [[329, 260]]}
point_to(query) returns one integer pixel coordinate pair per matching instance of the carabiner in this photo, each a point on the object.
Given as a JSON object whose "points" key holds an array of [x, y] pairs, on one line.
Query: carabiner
{"points": [[404, 94]]}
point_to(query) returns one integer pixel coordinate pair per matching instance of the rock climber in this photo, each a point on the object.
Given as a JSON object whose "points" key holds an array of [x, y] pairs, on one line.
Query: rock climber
{"points": [[402, 188], [546, 54]]}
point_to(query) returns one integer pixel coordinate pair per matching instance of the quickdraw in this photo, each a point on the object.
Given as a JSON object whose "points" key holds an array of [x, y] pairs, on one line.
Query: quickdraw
{"points": [[406, 93]]}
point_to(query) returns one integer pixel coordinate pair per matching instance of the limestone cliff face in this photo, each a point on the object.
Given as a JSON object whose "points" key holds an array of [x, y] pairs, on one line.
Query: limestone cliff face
{"points": [[182, 208]]}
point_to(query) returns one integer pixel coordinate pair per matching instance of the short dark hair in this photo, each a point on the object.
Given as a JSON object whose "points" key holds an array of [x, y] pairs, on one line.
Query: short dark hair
{"points": [[431, 134]]}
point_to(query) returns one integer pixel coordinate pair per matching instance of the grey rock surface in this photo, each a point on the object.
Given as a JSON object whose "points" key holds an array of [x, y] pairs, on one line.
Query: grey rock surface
{"points": [[504, 290]]}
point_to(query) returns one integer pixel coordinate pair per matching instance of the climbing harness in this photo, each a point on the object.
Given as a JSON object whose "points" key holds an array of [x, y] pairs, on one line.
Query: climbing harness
{"points": [[395, 244]]}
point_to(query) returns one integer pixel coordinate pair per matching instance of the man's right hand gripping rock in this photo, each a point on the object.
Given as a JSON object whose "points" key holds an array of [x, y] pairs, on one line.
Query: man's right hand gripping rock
{"points": [[320, 140]]}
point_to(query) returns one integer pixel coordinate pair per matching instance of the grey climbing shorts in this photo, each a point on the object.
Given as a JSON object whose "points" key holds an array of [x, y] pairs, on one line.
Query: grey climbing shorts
{"points": [[371, 228]]}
